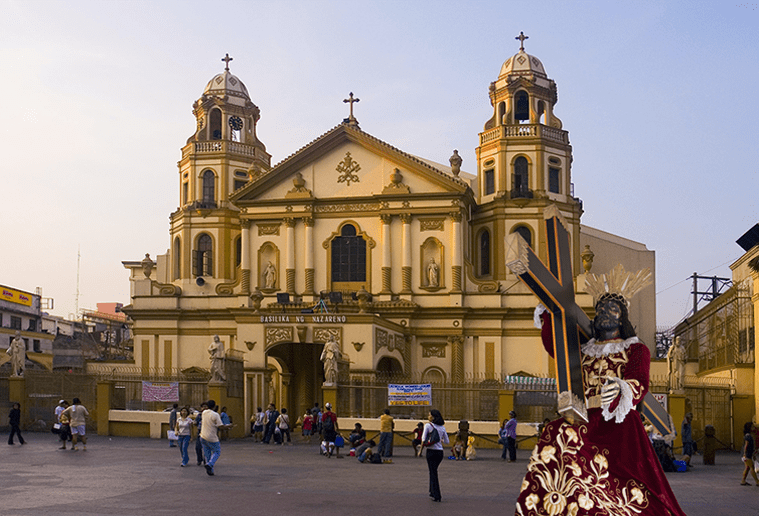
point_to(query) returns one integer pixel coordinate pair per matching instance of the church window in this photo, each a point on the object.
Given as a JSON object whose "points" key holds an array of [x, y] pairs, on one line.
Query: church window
{"points": [[522, 111], [238, 251], [541, 112], [520, 187], [177, 258], [215, 124], [202, 257], [553, 180], [525, 233], [348, 256], [209, 194], [501, 113], [485, 253], [489, 181]]}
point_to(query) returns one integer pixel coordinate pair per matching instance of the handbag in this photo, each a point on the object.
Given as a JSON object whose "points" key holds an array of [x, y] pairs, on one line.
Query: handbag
{"points": [[56, 428], [339, 441], [172, 435]]}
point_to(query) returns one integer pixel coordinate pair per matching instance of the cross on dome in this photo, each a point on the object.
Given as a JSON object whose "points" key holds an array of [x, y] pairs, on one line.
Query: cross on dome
{"points": [[227, 59], [521, 39]]}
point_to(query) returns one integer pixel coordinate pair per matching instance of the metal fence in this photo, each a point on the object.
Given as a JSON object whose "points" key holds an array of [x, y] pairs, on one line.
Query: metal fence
{"points": [[127, 391], [45, 388]]}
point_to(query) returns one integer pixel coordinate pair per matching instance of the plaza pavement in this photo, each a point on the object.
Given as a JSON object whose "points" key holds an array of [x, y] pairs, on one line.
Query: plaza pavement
{"points": [[136, 476]]}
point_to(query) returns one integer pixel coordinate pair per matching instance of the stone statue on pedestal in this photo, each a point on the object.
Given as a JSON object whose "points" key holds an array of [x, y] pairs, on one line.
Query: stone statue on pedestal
{"points": [[433, 273], [330, 355], [216, 350], [270, 276], [676, 362], [17, 352]]}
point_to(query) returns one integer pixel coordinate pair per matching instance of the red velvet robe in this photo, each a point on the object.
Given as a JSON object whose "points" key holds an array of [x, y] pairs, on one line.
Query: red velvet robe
{"points": [[600, 467]]}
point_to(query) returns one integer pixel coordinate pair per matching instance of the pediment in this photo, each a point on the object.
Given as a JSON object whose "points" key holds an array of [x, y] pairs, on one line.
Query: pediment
{"points": [[348, 163]]}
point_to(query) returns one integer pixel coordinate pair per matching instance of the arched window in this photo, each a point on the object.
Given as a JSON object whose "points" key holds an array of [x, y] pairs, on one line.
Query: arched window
{"points": [[348, 256], [215, 124], [520, 187], [541, 112], [238, 251], [177, 258], [209, 193], [525, 232], [522, 108], [202, 257], [501, 113], [485, 253]]}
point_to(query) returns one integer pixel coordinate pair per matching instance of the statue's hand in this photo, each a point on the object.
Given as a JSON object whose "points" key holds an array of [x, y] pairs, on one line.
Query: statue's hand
{"points": [[609, 391]]}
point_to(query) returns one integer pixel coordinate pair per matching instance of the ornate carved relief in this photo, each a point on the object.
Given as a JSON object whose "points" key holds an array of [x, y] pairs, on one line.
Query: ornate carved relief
{"points": [[268, 229], [333, 208], [275, 335], [323, 335], [433, 349], [347, 169], [436, 224], [396, 185], [391, 341]]}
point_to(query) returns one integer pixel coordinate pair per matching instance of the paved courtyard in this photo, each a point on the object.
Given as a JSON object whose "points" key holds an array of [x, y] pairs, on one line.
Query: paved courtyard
{"points": [[135, 476]]}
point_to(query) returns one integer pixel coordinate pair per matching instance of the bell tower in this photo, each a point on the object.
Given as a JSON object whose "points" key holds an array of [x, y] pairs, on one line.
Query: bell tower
{"points": [[221, 156], [523, 163]]}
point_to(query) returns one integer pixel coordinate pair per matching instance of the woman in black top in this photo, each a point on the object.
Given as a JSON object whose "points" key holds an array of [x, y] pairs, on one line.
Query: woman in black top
{"points": [[748, 454], [14, 419]]}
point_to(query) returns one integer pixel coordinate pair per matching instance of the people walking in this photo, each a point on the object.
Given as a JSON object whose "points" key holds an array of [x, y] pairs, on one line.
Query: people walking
{"points": [[329, 429], [386, 436], [271, 415], [198, 441], [77, 414], [183, 429], [173, 423], [14, 419], [748, 454], [686, 435], [210, 436], [434, 437], [283, 423], [508, 437], [258, 422]]}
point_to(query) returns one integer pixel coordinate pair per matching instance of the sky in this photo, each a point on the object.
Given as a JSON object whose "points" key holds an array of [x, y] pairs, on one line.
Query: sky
{"points": [[659, 99]]}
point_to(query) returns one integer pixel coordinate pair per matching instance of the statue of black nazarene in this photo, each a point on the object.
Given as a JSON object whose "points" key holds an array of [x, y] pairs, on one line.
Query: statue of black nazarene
{"points": [[605, 466]]}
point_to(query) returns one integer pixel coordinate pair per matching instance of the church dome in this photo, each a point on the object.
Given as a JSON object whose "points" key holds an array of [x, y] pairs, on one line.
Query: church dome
{"points": [[226, 84], [523, 64]]}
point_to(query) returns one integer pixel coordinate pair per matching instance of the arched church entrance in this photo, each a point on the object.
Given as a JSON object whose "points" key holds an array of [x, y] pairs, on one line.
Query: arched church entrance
{"points": [[297, 376], [389, 369]]}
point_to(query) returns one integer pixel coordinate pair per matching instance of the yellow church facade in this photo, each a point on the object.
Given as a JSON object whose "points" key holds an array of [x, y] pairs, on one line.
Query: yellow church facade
{"points": [[397, 258]]}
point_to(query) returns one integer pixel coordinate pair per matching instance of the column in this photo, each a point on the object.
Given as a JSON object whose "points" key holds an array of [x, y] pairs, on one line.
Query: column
{"points": [[456, 259], [308, 222], [245, 261], [457, 357], [290, 259], [387, 256], [406, 261]]}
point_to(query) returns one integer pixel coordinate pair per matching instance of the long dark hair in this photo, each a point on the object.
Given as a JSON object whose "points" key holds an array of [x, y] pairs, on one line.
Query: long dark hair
{"points": [[437, 417], [747, 427]]}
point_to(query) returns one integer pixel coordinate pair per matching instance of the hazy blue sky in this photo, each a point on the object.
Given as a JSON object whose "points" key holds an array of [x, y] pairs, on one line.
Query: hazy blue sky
{"points": [[659, 100]]}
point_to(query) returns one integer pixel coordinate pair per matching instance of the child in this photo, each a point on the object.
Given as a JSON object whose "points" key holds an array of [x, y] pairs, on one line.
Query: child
{"points": [[416, 443]]}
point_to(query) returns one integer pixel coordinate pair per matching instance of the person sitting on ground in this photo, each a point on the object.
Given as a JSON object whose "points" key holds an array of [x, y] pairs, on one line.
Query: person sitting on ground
{"points": [[416, 443], [357, 436], [458, 448], [471, 452], [365, 450]]}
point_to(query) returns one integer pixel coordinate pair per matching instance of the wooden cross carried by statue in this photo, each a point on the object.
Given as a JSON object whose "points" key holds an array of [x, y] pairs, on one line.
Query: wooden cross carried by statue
{"points": [[554, 286]]}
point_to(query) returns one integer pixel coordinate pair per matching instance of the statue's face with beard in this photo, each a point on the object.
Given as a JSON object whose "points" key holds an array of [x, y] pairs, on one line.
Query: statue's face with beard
{"points": [[608, 318]]}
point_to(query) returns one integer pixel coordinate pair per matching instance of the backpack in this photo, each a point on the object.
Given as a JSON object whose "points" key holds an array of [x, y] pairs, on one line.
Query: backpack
{"points": [[328, 425], [376, 458], [433, 437]]}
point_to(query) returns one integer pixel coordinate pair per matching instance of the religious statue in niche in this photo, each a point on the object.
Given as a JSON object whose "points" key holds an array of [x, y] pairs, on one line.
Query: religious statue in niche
{"points": [[216, 352], [676, 364], [433, 273], [330, 355], [17, 352], [270, 276]]}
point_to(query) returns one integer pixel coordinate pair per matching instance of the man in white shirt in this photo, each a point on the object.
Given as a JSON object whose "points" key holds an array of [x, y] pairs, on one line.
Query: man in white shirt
{"points": [[209, 435]]}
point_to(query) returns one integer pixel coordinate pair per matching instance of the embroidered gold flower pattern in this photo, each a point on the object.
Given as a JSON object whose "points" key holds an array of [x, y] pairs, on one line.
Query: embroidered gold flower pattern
{"points": [[556, 472]]}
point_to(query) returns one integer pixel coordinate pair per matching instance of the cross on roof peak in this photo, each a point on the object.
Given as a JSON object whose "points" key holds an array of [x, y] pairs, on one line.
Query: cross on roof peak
{"points": [[521, 39], [227, 59], [351, 120]]}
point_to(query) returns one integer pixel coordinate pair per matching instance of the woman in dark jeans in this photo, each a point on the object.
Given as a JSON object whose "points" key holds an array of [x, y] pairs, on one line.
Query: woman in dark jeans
{"points": [[14, 419], [434, 449]]}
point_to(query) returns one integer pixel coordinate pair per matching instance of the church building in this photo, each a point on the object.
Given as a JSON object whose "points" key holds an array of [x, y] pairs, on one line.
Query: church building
{"points": [[397, 258]]}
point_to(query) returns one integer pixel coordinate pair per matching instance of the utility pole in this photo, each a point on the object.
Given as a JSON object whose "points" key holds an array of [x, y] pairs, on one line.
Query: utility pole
{"points": [[717, 286]]}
